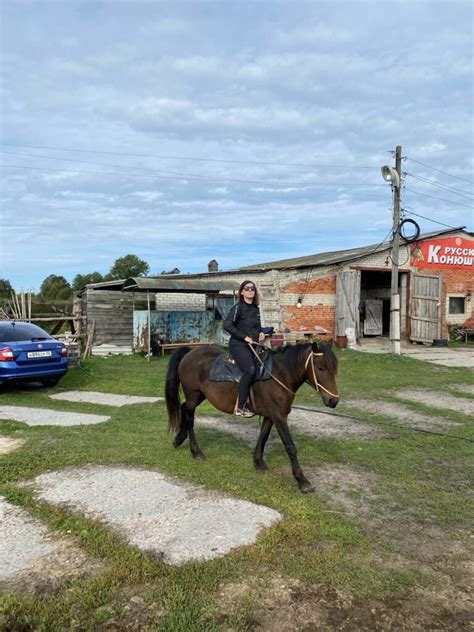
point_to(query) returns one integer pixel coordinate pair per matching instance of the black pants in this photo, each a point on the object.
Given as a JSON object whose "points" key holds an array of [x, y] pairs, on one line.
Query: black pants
{"points": [[244, 359]]}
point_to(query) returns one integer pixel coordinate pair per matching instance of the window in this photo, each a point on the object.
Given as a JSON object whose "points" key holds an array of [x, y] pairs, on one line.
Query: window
{"points": [[456, 304]]}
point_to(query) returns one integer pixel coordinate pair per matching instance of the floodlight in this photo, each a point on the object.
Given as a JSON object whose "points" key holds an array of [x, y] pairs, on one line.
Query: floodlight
{"points": [[390, 174]]}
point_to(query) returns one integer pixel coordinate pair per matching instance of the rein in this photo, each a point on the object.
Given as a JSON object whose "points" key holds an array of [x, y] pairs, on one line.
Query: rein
{"points": [[310, 357]]}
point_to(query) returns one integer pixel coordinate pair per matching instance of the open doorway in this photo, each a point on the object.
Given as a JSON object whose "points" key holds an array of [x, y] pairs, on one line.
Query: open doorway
{"points": [[375, 290]]}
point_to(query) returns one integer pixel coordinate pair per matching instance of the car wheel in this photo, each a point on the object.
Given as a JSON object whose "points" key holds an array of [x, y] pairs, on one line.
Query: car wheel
{"points": [[50, 381]]}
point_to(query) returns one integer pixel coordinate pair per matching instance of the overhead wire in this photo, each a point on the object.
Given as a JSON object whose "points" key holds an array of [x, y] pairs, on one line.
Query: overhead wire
{"points": [[179, 175], [460, 192], [440, 199], [451, 175], [193, 158], [410, 211], [301, 185]]}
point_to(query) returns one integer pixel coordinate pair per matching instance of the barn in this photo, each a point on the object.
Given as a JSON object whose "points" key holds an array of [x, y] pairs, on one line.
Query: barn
{"points": [[321, 294]]}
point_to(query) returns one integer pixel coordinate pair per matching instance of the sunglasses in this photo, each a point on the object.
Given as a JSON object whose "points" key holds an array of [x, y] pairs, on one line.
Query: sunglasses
{"points": [[249, 288]]}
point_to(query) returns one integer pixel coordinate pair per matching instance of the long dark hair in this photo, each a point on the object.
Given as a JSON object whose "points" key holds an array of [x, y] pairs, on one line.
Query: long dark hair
{"points": [[256, 298]]}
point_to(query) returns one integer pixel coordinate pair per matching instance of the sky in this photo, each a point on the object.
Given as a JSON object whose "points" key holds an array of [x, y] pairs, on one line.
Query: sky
{"points": [[244, 132]]}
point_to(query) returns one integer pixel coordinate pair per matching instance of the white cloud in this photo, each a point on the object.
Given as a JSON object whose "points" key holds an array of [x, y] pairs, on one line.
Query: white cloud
{"points": [[302, 83]]}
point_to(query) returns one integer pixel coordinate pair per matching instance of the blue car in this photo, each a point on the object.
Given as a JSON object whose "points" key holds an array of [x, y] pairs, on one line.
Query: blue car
{"points": [[28, 353]]}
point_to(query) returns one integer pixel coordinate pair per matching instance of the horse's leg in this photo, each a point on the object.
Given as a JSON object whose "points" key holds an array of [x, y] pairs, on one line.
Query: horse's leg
{"points": [[259, 448], [182, 434], [192, 402], [284, 432]]}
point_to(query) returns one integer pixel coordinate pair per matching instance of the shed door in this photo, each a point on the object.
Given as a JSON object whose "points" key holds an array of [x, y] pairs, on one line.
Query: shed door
{"points": [[347, 301], [425, 310], [373, 323]]}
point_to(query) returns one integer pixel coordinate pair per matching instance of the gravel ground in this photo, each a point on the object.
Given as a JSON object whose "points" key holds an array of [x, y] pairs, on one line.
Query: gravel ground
{"points": [[402, 414], [46, 417], [463, 388], [157, 513], [305, 421], [106, 399], [323, 425], [23, 540], [438, 400]]}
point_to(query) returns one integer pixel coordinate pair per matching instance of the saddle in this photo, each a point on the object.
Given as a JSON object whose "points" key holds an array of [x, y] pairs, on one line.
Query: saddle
{"points": [[225, 369]]}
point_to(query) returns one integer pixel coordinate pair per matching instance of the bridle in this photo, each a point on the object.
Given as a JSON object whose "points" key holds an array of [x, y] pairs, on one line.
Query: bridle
{"points": [[310, 357]]}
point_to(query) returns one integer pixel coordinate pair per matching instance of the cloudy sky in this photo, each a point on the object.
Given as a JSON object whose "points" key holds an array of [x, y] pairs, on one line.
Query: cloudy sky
{"points": [[240, 131]]}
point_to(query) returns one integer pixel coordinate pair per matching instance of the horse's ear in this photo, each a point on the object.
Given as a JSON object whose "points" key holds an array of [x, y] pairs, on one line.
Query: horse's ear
{"points": [[330, 343], [316, 348]]}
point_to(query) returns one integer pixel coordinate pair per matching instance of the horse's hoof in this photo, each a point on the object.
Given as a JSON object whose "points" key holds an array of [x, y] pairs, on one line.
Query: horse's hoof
{"points": [[179, 441], [261, 466], [306, 487], [199, 456]]}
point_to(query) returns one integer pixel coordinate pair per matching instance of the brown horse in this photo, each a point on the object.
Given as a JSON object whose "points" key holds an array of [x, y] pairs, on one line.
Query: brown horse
{"points": [[272, 399]]}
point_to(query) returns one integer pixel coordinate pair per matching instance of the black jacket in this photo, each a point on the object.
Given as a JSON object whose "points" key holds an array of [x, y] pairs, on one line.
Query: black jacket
{"points": [[243, 320]]}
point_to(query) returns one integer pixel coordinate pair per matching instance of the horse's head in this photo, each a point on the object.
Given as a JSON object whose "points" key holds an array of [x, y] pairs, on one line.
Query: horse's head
{"points": [[321, 370]]}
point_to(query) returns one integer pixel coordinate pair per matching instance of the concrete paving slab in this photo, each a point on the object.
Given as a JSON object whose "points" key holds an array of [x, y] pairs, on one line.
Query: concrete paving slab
{"points": [[8, 444], [404, 415], [438, 400], [106, 399], [156, 513], [34, 560], [47, 417], [306, 421], [444, 356], [23, 540]]}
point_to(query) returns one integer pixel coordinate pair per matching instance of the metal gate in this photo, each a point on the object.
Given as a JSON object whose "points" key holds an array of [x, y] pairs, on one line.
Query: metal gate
{"points": [[347, 301], [425, 308]]}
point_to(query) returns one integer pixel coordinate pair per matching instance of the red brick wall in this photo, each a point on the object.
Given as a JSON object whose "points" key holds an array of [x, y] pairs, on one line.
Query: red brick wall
{"points": [[315, 310]]}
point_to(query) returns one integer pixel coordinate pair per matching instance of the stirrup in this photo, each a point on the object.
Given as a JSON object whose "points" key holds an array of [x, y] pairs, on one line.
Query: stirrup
{"points": [[244, 412]]}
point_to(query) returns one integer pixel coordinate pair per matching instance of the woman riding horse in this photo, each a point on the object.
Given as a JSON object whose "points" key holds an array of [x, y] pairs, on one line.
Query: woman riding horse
{"points": [[245, 329], [292, 366]]}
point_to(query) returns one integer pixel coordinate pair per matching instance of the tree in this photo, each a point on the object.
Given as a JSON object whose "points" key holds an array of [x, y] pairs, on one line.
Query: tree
{"points": [[128, 266], [81, 280], [6, 289], [55, 288]]}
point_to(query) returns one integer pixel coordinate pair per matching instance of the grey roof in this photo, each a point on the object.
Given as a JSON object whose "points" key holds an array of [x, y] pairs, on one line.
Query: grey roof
{"points": [[170, 284], [335, 256]]}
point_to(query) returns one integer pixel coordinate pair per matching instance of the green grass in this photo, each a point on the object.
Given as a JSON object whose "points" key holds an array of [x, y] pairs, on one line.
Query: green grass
{"points": [[424, 475]]}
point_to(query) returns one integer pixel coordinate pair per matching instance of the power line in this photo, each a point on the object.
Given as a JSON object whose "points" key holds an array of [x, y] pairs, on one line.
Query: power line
{"points": [[411, 212], [460, 192], [193, 158], [176, 175], [437, 198], [451, 175]]}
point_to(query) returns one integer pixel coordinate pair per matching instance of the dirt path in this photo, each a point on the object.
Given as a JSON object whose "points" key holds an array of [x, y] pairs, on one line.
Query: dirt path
{"points": [[8, 444]]}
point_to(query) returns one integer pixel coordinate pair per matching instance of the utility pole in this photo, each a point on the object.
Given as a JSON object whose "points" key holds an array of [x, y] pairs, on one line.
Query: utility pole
{"points": [[394, 176], [395, 294]]}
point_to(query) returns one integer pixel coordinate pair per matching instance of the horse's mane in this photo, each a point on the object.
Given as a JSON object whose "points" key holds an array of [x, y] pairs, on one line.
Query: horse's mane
{"points": [[292, 356]]}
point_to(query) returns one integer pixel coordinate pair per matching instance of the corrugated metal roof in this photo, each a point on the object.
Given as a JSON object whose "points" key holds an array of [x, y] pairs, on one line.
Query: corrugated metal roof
{"points": [[336, 256], [170, 284]]}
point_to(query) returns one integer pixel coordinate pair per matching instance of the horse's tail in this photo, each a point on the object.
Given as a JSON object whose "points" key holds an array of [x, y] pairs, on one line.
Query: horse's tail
{"points": [[172, 384]]}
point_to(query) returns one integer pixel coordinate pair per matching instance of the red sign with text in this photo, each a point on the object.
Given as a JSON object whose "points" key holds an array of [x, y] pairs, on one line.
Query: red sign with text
{"points": [[454, 252]]}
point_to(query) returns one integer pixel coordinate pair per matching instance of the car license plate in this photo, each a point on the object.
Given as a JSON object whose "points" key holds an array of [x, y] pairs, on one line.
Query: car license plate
{"points": [[39, 354]]}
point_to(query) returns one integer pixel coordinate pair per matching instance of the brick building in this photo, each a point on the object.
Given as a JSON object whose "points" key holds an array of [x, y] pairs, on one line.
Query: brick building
{"points": [[328, 291], [351, 288]]}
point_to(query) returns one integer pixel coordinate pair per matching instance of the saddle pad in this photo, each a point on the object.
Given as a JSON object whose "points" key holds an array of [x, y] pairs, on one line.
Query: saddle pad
{"points": [[224, 369]]}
